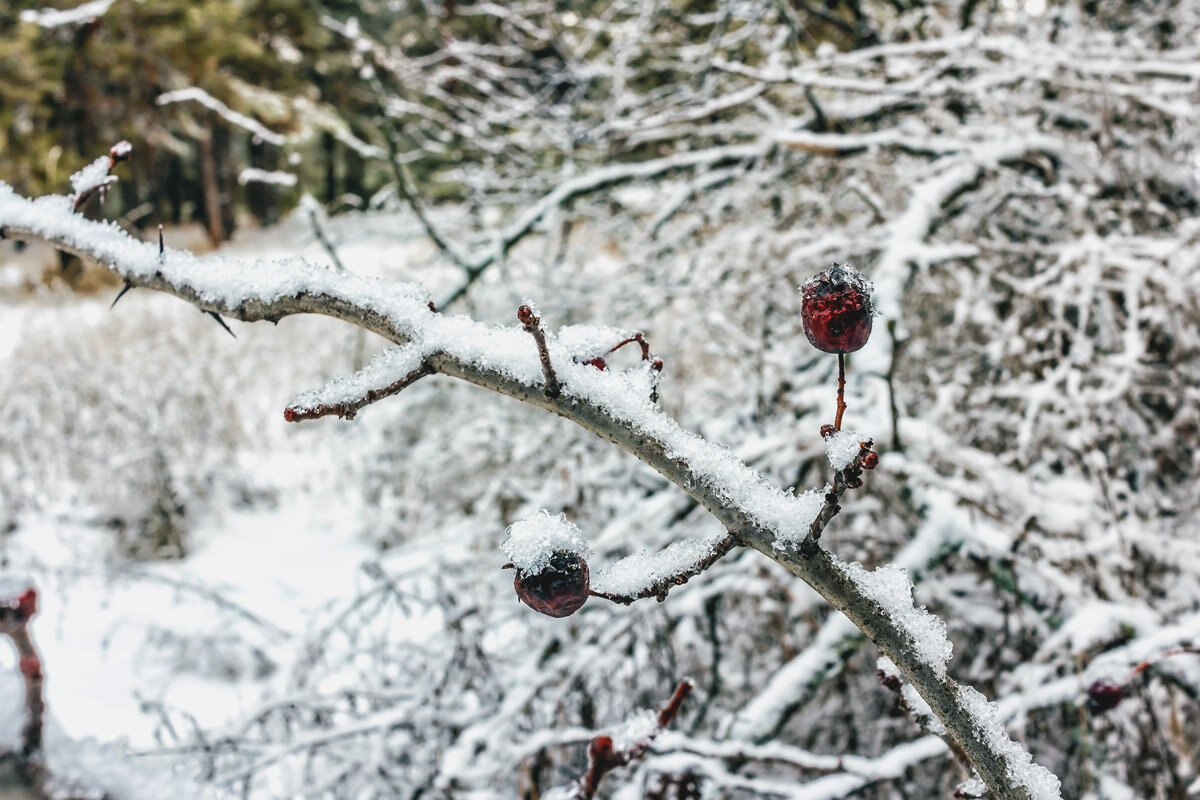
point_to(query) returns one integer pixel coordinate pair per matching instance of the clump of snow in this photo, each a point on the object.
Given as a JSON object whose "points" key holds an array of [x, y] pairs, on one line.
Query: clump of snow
{"points": [[640, 727], [972, 787], [633, 574], [92, 176], [1039, 782], [805, 508], [843, 447], [890, 587], [12, 587], [532, 541]]}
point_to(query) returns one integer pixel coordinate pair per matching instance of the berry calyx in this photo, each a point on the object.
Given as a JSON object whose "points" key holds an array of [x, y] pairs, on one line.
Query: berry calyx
{"points": [[1104, 695], [557, 590], [836, 309]]}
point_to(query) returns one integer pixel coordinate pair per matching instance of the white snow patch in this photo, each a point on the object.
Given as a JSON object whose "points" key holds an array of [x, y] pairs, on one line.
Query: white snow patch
{"points": [[92, 176], [53, 18], [1039, 782], [275, 177], [890, 587], [532, 541], [843, 447], [633, 574]]}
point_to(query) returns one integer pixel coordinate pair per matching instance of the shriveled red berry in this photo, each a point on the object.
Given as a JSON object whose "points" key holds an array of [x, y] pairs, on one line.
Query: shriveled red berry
{"points": [[827, 430], [1104, 695], [836, 309], [559, 589], [870, 460], [598, 363]]}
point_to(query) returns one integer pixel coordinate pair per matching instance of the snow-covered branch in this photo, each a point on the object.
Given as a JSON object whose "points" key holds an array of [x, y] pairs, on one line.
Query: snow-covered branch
{"points": [[613, 405]]}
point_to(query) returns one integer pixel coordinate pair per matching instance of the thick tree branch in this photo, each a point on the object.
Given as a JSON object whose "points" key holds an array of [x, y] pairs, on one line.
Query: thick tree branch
{"points": [[760, 514]]}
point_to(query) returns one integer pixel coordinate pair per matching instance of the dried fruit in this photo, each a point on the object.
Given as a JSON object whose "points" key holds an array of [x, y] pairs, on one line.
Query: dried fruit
{"points": [[870, 460], [836, 309], [1104, 695], [557, 590]]}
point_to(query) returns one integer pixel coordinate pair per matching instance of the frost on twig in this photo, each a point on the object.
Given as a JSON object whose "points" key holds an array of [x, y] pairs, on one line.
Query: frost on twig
{"points": [[532, 323], [627, 744], [389, 373], [97, 176], [654, 574]]}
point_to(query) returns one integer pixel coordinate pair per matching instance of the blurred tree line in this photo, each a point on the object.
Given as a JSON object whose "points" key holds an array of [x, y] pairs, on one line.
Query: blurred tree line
{"points": [[71, 90]]}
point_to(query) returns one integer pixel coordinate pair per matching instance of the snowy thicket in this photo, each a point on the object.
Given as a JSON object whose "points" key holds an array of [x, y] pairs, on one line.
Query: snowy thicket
{"points": [[1022, 192]]}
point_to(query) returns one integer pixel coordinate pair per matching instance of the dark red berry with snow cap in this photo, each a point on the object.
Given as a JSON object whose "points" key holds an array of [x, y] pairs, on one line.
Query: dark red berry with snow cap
{"points": [[1104, 695], [559, 589], [836, 309], [549, 554]]}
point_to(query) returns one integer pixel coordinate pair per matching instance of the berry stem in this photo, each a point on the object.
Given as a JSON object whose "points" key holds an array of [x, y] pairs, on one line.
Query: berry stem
{"points": [[841, 404]]}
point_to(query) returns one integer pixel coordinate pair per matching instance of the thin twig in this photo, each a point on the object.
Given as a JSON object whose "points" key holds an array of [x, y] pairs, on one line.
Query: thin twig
{"points": [[843, 479], [349, 408], [659, 588], [841, 401], [533, 324]]}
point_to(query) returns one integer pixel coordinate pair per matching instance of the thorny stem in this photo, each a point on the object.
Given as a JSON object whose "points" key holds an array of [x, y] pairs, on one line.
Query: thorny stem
{"points": [[659, 588], [603, 759], [841, 403], [533, 324]]}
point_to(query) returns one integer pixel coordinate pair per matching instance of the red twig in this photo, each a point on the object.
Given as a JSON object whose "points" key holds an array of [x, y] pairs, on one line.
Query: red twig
{"points": [[533, 324], [15, 612], [841, 401], [603, 757]]}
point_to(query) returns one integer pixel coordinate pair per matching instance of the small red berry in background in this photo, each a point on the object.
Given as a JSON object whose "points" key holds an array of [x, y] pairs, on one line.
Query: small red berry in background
{"points": [[31, 667], [1104, 695], [836, 309], [27, 603], [559, 589]]}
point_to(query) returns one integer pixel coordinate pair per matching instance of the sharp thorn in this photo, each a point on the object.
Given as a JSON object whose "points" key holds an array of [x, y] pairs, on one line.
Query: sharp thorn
{"points": [[221, 322], [161, 248], [121, 293]]}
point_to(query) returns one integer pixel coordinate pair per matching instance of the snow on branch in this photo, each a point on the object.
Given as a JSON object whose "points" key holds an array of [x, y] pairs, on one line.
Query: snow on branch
{"points": [[614, 405], [644, 574], [55, 18], [97, 176], [389, 373], [196, 95]]}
